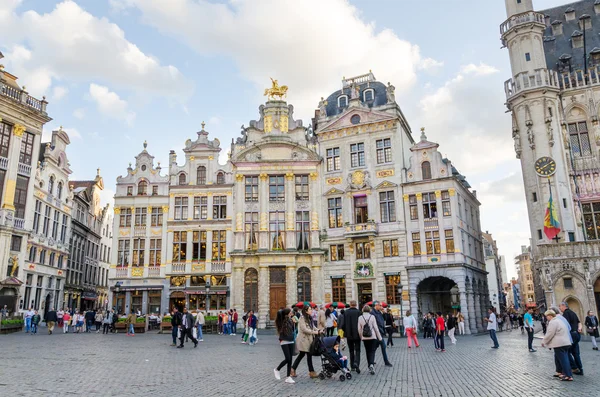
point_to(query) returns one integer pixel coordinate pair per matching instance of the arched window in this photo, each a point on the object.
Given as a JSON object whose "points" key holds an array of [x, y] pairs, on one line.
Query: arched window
{"points": [[368, 95], [59, 188], [182, 178], [51, 185], [343, 101], [220, 178], [251, 290], [142, 188], [426, 170], [201, 175], [304, 290]]}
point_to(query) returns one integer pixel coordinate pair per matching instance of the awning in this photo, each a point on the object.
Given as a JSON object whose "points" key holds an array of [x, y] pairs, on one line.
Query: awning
{"points": [[139, 288], [90, 296]]}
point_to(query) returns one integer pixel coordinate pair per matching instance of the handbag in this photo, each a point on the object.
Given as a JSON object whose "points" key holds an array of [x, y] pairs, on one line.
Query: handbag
{"points": [[315, 347]]}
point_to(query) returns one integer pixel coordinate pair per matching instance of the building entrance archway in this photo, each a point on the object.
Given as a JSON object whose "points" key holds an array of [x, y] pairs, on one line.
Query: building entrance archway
{"points": [[438, 294], [597, 294]]}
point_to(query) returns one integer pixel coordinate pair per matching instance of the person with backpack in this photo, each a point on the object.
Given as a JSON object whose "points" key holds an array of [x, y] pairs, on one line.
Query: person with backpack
{"points": [[370, 335]]}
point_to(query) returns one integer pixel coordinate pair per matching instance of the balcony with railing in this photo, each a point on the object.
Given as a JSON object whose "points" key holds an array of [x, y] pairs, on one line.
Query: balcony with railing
{"points": [[24, 169], [3, 163], [22, 96], [154, 271], [567, 250], [178, 267], [139, 231], [122, 272], [522, 19], [361, 230], [19, 223], [531, 80], [218, 267], [431, 223]]}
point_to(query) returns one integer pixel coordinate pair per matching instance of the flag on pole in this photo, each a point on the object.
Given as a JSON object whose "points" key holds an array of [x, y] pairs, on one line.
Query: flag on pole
{"points": [[551, 224]]}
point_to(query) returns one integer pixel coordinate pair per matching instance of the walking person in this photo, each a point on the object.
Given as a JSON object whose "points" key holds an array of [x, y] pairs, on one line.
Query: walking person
{"points": [[35, 320], [60, 316], [410, 328], [321, 319], [199, 325], [370, 335], [50, 320], [377, 313], [175, 323], [528, 321], [28, 315], [440, 329], [576, 329], [77, 322], [557, 338], [186, 326], [451, 326], [220, 323], [106, 322], [389, 326], [330, 319], [99, 318], [234, 322], [461, 323], [252, 323], [306, 335], [350, 328], [591, 324], [130, 322], [492, 326], [66, 321], [285, 329], [245, 322]]}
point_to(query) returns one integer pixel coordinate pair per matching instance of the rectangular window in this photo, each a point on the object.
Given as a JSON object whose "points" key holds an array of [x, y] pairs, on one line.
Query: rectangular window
{"points": [[46, 227], [302, 230], [139, 248], [15, 243], [219, 245], [200, 207], [5, 132], [390, 248], [429, 206], [363, 250], [432, 242], [123, 258], [591, 220], [302, 192], [155, 190], [251, 230], [125, 217], [51, 260], [336, 252], [571, 237], [539, 232], [361, 210], [251, 188], [334, 206], [32, 254], [449, 241], [534, 197], [37, 215], [580, 141], [446, 208], [414, 209], [130, 190], [199, 246], [156, 216], [333, 159], [276, 188], [392, 294], [357, 155], [26, 148], [338, 289], [155, 252], [179, 246], [527, 57], [416, 243], [277, 230], [63, 229], [21, 196], [384, 150], [141, 214], [568, 283], [219, 207], [181, 208], [387, 207], [55, 224]]}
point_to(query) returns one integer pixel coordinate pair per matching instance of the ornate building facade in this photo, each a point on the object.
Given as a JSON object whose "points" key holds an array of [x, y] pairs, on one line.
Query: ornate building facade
{"points": [[554, 98], [525, 274], [493, 267]]}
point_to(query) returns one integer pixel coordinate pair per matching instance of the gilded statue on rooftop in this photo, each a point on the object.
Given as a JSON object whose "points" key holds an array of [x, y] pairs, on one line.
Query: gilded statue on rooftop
{"points": [[276, 91]]}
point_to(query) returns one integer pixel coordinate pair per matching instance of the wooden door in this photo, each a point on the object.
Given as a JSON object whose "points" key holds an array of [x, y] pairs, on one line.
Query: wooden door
{"points": [[277, 300]]}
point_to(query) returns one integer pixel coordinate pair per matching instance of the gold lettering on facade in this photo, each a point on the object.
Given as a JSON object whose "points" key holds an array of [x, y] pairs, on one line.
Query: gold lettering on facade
{"points": [[334, 181], [268, 124], [385, 173]]}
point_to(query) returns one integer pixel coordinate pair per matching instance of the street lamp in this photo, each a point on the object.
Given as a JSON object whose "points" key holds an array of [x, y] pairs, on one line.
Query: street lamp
{"points": [[399, 286], [207, 287]]}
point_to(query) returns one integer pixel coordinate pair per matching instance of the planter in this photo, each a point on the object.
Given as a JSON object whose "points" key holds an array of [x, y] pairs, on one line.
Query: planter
{"points": [[12, 328], [138, 328], [165, 326]]}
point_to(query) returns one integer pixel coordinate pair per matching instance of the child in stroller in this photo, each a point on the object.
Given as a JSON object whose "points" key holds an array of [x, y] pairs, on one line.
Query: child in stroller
{"points": [[331, 359]]}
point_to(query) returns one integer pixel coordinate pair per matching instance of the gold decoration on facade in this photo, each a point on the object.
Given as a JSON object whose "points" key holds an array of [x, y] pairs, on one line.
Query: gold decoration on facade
{"points": [[165, 209], [289, 176], [283, 123], [419, 196], [156, 232], [9, 194], [263, 177], [313, 176], [405, 197], [385, 173], [263, 221], [198, 268], [276, 91], [334, 181], [149, 209], [178, 281], [451, 192], [209, 194], [438, 193], [290, 221], [137, 272], [132, 210], [239, 177], [314, 221], [268, 123], [211, 157], [239, 222], [192, 158], [117, 210], [124, 233], [358, 178], [18, 130]]}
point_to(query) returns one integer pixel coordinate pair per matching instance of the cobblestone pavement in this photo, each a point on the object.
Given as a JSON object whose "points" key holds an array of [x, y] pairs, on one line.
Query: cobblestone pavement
{"points": [[117, 365]]}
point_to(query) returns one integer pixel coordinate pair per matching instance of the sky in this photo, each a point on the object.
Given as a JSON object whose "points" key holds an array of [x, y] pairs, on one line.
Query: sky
{"points": [[117, 73]]}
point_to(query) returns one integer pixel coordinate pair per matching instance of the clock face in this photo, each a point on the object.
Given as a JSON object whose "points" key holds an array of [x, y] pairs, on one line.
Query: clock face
{"points": [[545, 166]]}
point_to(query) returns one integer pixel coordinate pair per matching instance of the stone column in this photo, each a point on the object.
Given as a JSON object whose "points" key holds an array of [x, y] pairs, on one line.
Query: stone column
{"points": [[263, 216], [209, 206], [470, 313], [477, 298], [144, 302], [237, 213], [291, 290], [318, 293], [290, 214], [464, 305], [263, 295], [315, 224], [236, 290]]}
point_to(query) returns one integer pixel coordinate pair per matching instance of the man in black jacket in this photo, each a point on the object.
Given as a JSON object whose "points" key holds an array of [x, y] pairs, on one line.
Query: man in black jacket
{"points": [[576, 328], [51, 319], [187, 324], [381, 325], [351, 316], [175, 323]]}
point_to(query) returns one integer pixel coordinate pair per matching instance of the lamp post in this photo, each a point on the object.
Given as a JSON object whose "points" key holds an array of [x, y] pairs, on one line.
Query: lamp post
{"points": [[207, 287], [400, 286], [400, 320], [117, 289]]}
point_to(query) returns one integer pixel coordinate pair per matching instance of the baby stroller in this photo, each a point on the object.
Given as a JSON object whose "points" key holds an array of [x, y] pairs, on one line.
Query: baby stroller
{"points": [[329, 364]]}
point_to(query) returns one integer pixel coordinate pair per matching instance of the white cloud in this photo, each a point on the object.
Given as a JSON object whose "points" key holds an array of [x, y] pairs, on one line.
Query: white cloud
{"points": [[480, 70], [73, 133], [107, 196], [110, 104], [508, 189], [79, 113], [70, 43], [431, 64], [307, 45], [59, 92]]}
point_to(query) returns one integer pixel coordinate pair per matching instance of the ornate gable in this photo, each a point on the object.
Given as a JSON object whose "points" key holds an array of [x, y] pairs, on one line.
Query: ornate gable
{"points": [[366, 116], [333, 192], [386, 185]]}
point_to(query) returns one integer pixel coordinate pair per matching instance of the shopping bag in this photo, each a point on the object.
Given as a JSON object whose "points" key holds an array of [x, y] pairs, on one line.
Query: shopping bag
{"points": [[195, 333], [179, 333]]}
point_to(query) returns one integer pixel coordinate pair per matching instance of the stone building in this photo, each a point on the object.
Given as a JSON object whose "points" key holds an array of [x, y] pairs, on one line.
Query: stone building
{"points": [[276, 256], [106, 237], [48, 245], [83, 289], [446, 269], [525, 274], [554, 99], [494, 272], [22, 118], [199, 236], [364, 141], [139, 230]]}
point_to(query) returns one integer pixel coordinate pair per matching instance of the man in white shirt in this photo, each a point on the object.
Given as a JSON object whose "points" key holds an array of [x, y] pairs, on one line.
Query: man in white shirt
{"points": [[492, 326], [28, 315]]}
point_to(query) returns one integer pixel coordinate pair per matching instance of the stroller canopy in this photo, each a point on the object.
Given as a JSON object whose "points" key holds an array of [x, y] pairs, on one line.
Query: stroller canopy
{"points": [[330, 341]]}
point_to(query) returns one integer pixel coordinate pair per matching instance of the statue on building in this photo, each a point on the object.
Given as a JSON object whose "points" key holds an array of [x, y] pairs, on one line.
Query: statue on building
{"points": [[276, 91], [354, 90], [322, 108], [550, 132], [517, 140], [588, 183], [390, 92], [531, 137]]}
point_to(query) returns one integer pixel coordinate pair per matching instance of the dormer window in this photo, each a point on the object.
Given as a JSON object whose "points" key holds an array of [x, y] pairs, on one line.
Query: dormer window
{"points": [[220, 178], [51, 185], [130, 190], [142, 188], [343, 101], [585, 22], [577, 39], [368, 95], [182, 178], [570, 14], [155, 190], [426, 170], [201, 175], [597, 6], [557, 28], [595, 56]]}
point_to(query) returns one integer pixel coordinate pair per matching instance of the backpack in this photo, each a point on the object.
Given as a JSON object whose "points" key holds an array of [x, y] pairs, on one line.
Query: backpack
{"points": [[367, 333]]}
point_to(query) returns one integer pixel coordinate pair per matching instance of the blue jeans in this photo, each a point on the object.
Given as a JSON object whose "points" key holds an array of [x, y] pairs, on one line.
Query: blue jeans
{"points": [[34, 328], [561, 357], [200, 331], [131, 329], [573, 353], [27, 324], [174, 334], [226, 328], [383, 350], [494, 338], [232, 327]]}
